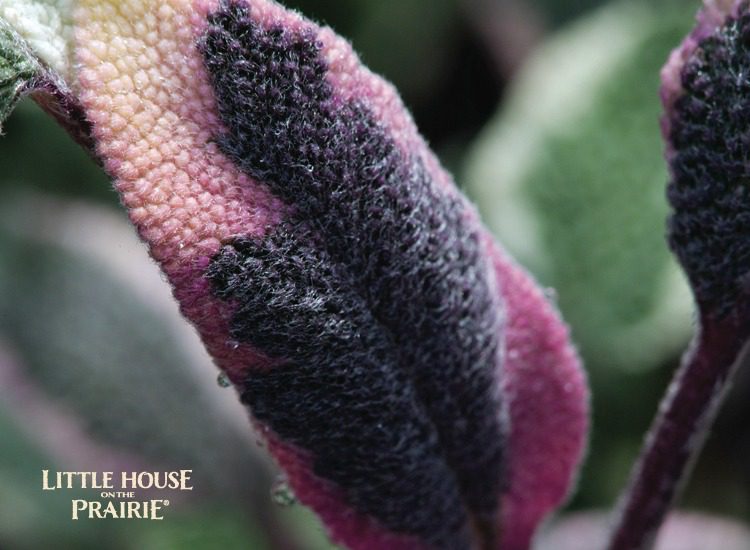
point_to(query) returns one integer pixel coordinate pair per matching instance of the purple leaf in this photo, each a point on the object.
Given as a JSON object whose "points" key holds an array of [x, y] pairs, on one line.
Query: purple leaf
{"points": [[416, 386]]}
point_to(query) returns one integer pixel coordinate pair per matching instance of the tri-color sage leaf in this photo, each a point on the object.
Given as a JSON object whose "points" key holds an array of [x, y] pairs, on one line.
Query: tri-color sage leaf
{"points": [[706, 96], [415, 385]]}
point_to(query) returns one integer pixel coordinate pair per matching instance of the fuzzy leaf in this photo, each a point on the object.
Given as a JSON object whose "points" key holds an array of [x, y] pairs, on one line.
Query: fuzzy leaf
{"points": [[18, 68], [417, 387]]}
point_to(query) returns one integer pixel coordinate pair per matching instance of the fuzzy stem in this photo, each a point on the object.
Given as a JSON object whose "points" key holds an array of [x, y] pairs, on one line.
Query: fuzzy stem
{"points": [[66, 110], [677, 435]]}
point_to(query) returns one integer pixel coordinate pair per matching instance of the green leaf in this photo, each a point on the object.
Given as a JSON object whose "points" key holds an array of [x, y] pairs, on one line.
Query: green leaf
{"points": [[92, 344], [18, 69], [570, 176]]}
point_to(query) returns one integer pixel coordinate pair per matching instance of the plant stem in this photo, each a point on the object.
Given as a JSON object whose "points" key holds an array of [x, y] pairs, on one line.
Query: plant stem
{"points": [[680, 428], [55, 97]]}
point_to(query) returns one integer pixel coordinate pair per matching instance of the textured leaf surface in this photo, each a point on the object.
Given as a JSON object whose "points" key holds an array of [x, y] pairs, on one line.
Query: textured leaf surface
{"points": [[18, 68], [333, 271]]}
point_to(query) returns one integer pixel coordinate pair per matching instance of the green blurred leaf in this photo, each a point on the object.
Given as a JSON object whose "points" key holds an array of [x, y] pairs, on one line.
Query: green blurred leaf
{"points": [[204, 529], [29, 517], [570, 176], [94, 346]]}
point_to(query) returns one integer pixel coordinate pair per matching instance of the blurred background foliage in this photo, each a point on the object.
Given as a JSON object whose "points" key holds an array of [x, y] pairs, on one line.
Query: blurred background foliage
{"points": [[547, 113]]}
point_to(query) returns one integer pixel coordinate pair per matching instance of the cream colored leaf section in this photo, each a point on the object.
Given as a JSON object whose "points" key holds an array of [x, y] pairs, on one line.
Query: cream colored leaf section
{"points": [[47, 26]]}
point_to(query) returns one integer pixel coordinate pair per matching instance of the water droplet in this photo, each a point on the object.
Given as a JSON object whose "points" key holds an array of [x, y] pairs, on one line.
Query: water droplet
{"points": [[282, 494], [233, 344], [223, 380]]}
